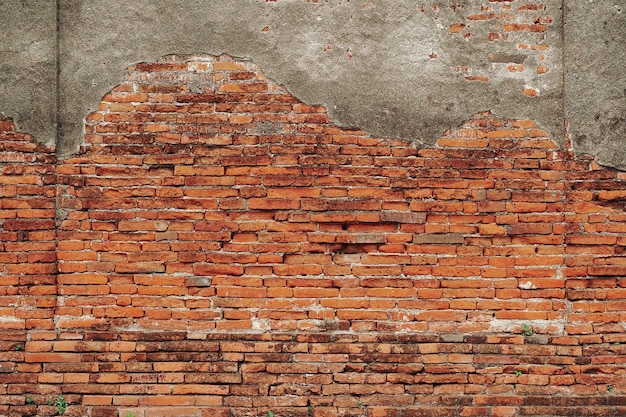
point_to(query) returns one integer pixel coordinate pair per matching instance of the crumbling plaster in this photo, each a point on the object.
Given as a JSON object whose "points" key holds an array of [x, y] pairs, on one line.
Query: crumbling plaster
{"points": [[393, 68]]}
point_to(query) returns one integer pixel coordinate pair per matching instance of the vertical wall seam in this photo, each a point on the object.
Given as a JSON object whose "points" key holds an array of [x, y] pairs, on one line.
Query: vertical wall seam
{"points": [[57, 125], [567, 149], [57, 122], [567, 142]]}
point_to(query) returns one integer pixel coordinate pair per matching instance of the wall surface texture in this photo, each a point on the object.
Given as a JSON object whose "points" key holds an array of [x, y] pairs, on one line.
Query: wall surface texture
{"points": [[377, 209], [219, 248], [396, 69]]}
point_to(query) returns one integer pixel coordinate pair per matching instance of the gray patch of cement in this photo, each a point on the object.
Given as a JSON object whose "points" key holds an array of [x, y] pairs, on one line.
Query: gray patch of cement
{"points": [[595, 87], [372, 65], [28, 66], [391, 68]]}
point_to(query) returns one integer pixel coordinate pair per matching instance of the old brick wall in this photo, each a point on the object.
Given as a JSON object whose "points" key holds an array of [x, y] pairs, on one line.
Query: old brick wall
{"points": [[222, 249], [27, 265]]}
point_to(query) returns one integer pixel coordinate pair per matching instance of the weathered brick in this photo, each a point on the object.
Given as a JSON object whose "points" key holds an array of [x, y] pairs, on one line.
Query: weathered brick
{"points": [[232, 252]]}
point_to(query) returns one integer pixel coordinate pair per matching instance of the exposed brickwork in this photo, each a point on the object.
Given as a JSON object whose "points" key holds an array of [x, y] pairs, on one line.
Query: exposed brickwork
{"points": [[27, 259], [224, 250], [520, 48]]}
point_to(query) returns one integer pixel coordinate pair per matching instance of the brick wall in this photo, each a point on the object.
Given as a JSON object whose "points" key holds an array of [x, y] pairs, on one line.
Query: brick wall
{"points": [[27, 262], [224, 250], [521, 29]]}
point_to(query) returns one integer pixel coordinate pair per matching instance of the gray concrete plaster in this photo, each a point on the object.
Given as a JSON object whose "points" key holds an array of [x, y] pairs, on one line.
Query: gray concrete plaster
{"points": [[394, 68], [390, 68], [595, 78], [28, 66]]}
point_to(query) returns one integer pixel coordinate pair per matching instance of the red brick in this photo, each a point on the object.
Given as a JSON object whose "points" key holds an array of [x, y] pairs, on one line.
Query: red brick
{"points": [[205, 268]]}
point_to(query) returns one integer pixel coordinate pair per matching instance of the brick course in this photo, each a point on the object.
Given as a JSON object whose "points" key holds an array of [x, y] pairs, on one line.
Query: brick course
{"points": [[222, 249]]}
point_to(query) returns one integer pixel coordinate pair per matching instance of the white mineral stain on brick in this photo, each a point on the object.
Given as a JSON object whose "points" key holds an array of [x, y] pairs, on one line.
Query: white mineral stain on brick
{"points": [[528, 285], [197, 335], [260, 324], [551, 327]]}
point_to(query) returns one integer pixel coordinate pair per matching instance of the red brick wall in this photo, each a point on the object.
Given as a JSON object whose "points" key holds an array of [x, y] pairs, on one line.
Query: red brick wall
{"points": [[223, 249], [27, 262]]}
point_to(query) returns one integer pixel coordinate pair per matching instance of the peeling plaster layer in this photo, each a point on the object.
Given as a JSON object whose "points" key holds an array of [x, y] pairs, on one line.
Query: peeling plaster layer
{"points": [[396, 68], [595, 78], [28, 66], [393, 68]]}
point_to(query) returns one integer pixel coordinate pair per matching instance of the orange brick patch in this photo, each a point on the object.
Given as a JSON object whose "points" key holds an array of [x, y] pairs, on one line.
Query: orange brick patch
{"points": [[230, 252]]}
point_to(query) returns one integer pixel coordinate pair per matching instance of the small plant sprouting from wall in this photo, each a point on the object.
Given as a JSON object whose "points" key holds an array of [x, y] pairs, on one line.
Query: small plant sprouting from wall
{"points": [[527, 329], [60, 403]]}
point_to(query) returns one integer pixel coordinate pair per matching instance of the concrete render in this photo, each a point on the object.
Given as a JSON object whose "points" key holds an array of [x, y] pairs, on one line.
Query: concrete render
{"points": [[392, 68], [28, 62]]}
